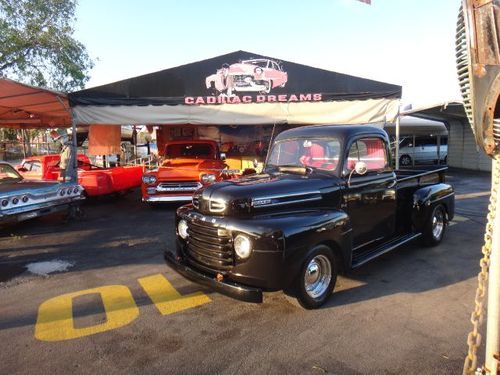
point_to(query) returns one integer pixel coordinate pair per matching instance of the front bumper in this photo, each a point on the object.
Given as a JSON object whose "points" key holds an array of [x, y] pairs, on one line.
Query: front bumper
{"points": [[237, 291], [38, 210], [168, 198]]}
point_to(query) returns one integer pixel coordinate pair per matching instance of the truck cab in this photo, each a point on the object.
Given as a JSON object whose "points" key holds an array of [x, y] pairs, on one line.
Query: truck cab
{"points": [[327, 200]]}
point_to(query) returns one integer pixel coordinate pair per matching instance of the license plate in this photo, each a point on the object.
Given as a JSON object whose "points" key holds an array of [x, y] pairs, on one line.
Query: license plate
{"points": [[29, 215]]}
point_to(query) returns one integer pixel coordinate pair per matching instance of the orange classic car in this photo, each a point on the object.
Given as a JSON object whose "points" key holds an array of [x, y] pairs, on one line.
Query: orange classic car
{"points": [[187, 166]]}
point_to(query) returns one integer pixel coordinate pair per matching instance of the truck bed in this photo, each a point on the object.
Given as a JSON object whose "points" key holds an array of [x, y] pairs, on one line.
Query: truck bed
{"points": [[420, 176]]}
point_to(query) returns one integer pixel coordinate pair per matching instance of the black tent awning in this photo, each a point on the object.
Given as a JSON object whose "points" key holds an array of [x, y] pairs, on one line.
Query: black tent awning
{"points": [[234, 81]]}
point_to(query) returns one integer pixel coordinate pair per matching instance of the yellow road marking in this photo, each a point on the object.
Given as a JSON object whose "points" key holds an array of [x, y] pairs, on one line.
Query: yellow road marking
{"points": [[168, 300], [55, 316], [458, 219]]}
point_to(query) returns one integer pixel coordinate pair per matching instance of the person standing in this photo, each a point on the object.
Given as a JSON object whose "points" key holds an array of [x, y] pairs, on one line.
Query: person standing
{"points": [[66, 159]]}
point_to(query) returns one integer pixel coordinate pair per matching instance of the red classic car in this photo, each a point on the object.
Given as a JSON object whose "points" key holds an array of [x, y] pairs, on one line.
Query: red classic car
{"points": [[188, 165], [255, 75], [95, 180]]}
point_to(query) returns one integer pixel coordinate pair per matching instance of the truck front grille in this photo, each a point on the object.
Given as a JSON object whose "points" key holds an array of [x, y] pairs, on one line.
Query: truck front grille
{"points": [[176, 187], [209, 247]]}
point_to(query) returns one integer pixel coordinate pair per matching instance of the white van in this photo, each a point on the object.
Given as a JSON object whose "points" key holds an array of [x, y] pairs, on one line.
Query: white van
{"points": [[424, 151]]}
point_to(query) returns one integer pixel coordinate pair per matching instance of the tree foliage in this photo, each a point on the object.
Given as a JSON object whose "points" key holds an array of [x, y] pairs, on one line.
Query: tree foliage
{"points": [[37, 44]]}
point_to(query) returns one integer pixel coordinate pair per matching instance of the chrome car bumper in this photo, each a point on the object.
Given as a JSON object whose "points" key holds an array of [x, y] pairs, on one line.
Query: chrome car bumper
{"points": [[166, 198], [36, 210]]}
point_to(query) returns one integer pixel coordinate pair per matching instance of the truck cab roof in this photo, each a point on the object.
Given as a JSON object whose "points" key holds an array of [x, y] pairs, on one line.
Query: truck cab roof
{"points": [[344, 132]]}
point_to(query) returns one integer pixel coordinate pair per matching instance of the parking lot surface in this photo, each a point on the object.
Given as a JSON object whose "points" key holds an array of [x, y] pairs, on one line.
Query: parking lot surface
{"points": [[114, 307]]}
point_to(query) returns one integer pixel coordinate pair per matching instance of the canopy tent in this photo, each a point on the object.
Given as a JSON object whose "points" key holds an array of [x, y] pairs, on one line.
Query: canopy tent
{"points": [[26, 107], [410, 125], [238, 88]]}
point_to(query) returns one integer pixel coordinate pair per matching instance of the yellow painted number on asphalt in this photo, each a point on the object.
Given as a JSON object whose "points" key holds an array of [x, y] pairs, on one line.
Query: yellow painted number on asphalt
{"points": [[55, 316], [168, 300]]}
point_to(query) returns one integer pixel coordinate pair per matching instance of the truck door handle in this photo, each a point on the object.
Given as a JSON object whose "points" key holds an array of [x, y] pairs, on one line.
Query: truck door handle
{"points": [[391, 184]]}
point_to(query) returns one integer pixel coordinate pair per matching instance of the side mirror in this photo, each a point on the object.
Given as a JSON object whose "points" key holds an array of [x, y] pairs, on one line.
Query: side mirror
{"points": [[222, 156], [360, 168]]}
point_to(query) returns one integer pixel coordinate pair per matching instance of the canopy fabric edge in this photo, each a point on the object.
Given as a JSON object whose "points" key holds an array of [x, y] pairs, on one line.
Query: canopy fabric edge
{"points": [[307, 113]]}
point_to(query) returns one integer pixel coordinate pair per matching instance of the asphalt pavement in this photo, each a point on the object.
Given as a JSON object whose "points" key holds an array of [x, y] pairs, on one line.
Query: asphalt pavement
{"points": [[117, 308]]}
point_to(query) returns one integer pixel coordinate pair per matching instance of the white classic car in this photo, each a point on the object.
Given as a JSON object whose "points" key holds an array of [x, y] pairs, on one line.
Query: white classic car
{"points": [[22, 199]]}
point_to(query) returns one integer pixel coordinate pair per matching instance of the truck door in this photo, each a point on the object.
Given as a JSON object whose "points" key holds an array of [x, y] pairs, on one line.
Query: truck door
{"points": [[370, 199]]}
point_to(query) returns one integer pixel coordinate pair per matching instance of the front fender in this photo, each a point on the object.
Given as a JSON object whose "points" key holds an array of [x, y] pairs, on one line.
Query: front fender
{"points": [[425, 199], [307, 229]]}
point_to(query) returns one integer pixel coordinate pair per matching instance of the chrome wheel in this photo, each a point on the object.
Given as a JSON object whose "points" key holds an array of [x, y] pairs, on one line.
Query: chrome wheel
{"points": [[437, 224], [318, 276]]}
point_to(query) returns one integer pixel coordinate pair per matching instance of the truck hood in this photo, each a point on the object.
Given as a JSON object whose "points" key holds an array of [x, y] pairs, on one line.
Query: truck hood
{"points": [[188, 168], [265, 191]]}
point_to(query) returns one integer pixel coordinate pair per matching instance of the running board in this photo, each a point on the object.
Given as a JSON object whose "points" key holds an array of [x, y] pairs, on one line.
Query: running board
{"points": [[362, 258]]}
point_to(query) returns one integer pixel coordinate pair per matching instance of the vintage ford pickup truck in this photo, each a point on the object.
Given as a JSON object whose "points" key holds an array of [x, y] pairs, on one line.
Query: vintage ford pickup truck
{"points": [[327, 200], [188, 165]]}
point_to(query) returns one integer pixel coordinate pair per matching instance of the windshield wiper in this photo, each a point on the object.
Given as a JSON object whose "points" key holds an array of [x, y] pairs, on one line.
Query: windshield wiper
{"points": [[294, 169]]}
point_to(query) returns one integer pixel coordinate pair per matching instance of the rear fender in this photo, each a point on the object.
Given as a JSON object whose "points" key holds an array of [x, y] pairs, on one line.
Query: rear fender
{"points": [[426, 198]]}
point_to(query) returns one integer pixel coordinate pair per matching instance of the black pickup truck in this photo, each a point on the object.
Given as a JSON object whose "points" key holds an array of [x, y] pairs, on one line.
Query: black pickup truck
{"points": [[327, 200]]}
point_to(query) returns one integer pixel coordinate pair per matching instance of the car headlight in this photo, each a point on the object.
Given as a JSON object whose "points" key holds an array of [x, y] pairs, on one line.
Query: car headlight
{"points": [[149, 180], [182, 229], [208, 178], [242, 246]]}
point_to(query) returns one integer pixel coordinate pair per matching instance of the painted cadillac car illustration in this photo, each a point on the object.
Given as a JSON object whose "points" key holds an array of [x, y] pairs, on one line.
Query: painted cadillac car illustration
{"points": [[188, 165], [254, 75], [22, 199]]}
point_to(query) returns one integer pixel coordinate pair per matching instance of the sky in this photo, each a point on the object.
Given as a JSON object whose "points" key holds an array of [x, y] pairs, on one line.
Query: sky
{"points": [[404, 42]]}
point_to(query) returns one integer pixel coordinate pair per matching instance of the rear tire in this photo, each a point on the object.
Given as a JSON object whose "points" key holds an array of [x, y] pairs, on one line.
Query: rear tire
{"points": [[435, 227], [317, 278]]}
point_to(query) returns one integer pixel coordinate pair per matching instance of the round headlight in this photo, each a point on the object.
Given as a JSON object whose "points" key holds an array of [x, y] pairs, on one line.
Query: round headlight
{"points": [[15, 201], [208, 178], [5, 202], [182, 229], [24, 199], [242, 246], [149, 180]]}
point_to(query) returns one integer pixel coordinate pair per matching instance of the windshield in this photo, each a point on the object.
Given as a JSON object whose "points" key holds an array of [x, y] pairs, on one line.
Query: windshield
{"points": [[261, 63], [8, 174], [190, 151], [321, 153]]}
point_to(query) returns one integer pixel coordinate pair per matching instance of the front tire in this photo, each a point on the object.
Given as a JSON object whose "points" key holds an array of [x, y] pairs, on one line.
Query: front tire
{"points": [[435, 226], [317, 278]]}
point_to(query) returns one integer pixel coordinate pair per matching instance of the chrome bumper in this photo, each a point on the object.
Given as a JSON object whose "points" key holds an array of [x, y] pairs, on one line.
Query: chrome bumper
{"points": [[173, 198]]}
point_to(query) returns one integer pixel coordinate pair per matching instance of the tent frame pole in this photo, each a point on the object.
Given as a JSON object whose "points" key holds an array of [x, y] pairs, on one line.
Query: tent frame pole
{"points": [[396, 153], [74, 146]]}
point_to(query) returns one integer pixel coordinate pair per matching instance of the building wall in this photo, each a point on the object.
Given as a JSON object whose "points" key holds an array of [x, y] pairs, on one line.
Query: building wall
{"points": [[462, 150]]}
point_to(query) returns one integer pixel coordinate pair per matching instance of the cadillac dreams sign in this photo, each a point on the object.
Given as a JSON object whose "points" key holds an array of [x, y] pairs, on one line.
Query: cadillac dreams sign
{"points": [[236, 99]]}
